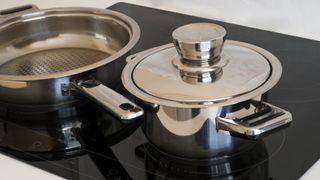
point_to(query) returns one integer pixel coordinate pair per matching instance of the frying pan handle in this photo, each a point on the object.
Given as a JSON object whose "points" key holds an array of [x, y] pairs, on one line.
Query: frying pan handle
{"points": [[109, 99], [254, 125], [16, 11]]}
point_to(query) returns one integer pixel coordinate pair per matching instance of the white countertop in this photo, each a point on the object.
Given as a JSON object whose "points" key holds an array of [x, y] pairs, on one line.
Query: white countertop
{"points": [[294, 17], [16, 170], [313, 173]]}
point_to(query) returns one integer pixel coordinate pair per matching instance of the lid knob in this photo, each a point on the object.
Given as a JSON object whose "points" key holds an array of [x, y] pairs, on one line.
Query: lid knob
{"points": [[199, 42]]}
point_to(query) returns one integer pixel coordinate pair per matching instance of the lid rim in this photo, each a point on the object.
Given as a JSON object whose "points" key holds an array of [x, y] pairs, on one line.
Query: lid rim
{"points": [[273, 78]]}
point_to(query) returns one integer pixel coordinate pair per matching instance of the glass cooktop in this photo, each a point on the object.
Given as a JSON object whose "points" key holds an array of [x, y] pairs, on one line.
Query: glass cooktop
{"points": [[78, 142]]}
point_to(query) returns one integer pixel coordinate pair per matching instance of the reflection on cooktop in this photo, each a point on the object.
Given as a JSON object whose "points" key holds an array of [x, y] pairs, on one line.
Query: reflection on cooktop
{"points": [[59, 133], [108, 155], [133, 158], [250, 164]]}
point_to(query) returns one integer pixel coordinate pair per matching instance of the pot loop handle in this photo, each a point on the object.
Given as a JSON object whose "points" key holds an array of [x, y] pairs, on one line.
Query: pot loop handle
{"points": [[259, 123], [17, 11]]}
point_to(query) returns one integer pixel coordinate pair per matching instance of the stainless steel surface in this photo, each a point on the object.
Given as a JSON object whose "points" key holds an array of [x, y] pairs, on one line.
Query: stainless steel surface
{"points": [[202, 133], [199, 42], [199, 74], [199, 46], [61, 28], [265, 118], [192, 132], [52, 61], [44, 51], [246, 74], [19, 10], [109, 99], [200, 120]]}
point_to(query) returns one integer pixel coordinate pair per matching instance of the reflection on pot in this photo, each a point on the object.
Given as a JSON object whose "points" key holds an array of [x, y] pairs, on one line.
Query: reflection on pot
{"points": [[192, 132]]}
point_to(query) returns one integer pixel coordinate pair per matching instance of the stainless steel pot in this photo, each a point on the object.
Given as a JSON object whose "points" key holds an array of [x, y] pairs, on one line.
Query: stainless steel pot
{"points": [[50, 56], [203, 96]]}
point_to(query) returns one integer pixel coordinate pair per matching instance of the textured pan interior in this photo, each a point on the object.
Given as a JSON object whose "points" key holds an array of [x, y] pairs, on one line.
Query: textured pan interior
{"points": [[62, 42], [52, 61]]}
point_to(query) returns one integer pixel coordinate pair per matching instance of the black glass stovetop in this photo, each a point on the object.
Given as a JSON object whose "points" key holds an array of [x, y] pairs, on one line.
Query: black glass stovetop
{"points": [[95, 151]]}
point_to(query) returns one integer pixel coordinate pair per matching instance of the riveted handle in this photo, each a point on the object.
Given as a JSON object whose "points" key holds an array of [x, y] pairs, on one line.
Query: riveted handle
{"points": [[259, 123], [199, 41], [19, 10], [115, 103]]}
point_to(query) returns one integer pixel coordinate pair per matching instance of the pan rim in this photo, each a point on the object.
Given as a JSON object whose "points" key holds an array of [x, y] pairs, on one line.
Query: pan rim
{"points": [[129, 24]]}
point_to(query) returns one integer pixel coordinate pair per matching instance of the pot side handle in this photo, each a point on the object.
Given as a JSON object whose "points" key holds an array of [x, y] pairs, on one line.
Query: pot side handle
{"points": [[115, 103], [16, 11], [257, 124]]}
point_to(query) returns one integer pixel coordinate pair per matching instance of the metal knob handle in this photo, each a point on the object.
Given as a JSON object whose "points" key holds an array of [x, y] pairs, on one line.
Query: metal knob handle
{"points": [[199, 41], [199, 46]]}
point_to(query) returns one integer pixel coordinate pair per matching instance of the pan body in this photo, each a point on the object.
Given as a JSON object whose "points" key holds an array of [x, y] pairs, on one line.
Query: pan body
{"points": [[44, 50], [56, 91]]}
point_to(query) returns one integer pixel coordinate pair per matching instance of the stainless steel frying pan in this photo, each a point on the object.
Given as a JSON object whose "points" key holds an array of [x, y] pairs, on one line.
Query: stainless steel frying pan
{"points": [[49, 57]]}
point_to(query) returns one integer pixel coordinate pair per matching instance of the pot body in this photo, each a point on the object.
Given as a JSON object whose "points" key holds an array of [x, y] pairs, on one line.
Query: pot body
{"points": [[197, 132], [196, 106], [206, 142]]}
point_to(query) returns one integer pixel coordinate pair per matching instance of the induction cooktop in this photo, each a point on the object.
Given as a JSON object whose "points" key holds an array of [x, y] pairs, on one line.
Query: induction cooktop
{"points": [[82, 146]]}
